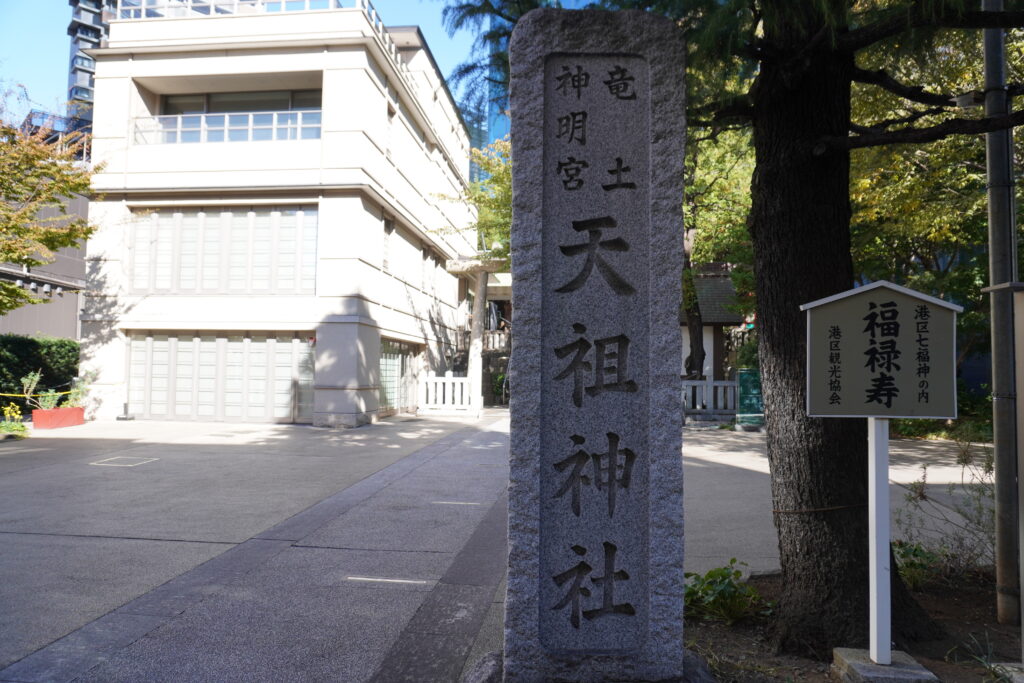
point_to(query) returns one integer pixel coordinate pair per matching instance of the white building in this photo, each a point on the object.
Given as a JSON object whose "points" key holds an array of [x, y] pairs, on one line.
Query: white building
{"points": [[273, 212]]}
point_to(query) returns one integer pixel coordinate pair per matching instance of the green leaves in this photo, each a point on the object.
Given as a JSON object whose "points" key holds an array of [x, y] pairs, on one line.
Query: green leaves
{"points": [[492, 197], [36, 175], [721, 594]]}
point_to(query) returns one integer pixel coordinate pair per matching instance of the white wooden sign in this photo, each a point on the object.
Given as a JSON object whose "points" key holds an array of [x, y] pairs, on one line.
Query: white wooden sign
{"points": [[881, 351]]}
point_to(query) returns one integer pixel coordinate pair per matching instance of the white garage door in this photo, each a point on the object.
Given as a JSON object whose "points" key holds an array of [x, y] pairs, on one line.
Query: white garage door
{"points": [[258, 377]]}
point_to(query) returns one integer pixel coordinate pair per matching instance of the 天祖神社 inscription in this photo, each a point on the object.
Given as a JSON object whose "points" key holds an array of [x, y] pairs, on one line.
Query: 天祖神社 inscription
{"points": [[595, 525]]}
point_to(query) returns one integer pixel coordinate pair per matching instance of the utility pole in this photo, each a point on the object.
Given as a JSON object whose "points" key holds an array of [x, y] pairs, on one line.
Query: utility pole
{"points": [[1002, 260]]}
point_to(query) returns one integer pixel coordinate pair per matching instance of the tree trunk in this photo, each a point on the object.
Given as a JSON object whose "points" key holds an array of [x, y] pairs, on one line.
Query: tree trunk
{"points": [[800, 227], [694, 364]]}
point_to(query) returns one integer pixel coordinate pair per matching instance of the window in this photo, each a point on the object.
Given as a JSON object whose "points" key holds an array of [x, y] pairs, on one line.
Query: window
{"points": [[184, 104], [83, 62], [249, 101], [234, 117], [81, 93], [239, 102], [86, 32], [269, 251], [397, 367]]}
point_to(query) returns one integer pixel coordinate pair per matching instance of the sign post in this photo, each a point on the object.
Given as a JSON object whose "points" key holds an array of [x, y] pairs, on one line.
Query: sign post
{"points": [[881, 351], [879, 572]]}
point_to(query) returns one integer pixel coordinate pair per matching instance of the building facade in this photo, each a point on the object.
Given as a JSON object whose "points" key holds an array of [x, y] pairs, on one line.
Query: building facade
{"points": [[58, 284], [275, 213], [88, 30]]}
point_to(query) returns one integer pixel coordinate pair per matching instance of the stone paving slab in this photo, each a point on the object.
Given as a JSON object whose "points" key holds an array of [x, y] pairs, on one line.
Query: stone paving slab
{"points": [[282, 609], [54, 584], [78, 541]]}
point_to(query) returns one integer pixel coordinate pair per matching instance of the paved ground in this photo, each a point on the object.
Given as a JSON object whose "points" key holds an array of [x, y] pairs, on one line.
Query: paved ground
{"points": [[255, 552]]}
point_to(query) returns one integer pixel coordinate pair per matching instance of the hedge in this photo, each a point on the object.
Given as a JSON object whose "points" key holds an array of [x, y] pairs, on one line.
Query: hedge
{"points": [[19, 355]]}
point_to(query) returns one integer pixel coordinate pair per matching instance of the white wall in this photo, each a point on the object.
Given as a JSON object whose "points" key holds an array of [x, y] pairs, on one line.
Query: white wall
{"points": [[362, 170], [709, 349]]}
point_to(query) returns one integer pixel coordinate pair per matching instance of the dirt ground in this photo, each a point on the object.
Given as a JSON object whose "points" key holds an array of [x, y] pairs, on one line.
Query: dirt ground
{"points": [[742, 652]]}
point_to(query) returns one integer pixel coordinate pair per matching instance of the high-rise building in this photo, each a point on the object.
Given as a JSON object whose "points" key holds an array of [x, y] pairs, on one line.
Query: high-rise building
{"points": [[88, 29], [275, 212]]}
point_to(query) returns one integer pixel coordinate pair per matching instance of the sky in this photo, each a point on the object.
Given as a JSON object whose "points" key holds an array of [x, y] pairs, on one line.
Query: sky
{"points": [[34, 46]]}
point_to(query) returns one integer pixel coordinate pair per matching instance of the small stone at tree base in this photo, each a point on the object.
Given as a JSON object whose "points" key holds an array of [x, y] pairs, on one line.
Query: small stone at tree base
{"points": [[852, 666]]}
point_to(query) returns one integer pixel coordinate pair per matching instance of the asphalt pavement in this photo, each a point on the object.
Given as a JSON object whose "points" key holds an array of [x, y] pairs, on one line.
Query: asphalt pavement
{"points": [[163, 551]]}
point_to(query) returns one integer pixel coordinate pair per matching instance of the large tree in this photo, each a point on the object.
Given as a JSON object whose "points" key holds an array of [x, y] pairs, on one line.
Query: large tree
{"points": [[38, 172], [793, 65], [804, 57]]}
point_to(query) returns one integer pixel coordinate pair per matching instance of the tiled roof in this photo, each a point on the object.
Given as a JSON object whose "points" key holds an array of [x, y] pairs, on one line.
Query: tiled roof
{"points": [[716, 296]]}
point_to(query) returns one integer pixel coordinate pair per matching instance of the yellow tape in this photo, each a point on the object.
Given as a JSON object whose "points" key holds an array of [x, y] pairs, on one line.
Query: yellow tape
{"points": [[59, 393]]}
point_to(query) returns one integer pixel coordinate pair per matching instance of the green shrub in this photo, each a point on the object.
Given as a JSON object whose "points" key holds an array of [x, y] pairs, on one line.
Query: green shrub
{"points": [[79, 390], [973, 424], [48, 399], [746, 353], [917, 565], [56, 359], [721, 594]]}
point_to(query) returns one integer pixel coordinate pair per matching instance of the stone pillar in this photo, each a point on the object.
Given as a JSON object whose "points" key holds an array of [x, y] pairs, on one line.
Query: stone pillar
{"points": [[595, 586]]}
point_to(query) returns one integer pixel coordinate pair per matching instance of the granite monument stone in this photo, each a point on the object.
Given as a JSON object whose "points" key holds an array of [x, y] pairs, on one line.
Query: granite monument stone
{"points": [[595, 588]]}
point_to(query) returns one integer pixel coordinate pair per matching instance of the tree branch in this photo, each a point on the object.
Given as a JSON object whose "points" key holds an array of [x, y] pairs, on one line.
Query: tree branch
{"points": [[914, 93], [882, 126], [918, 17], [732, 109], [739, 103], [921, 135]]}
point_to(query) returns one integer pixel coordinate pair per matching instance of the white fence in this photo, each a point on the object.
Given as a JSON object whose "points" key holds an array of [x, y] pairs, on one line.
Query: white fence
{"points": [[709, 399], [445, 395]]}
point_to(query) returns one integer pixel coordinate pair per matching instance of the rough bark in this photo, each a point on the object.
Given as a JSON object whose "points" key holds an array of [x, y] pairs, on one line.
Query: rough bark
{"points": [[694, 364], [799, 225]]}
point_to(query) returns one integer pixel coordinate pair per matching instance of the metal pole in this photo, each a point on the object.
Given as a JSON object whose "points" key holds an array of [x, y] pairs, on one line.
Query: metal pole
{"points": [[1002, 261], [879, 571]]}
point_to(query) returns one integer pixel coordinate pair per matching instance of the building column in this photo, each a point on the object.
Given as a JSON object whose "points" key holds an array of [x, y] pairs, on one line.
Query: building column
{"points": [[346, 386]]}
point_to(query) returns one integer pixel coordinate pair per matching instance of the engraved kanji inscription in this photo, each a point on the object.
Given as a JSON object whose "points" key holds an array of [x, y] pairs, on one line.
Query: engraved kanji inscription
{"points": [[569, 81], [573, 126], [593, 228], [611, 471], [620, 83], [611, 368], [570, 171], [577, 591], [618, 172], [607, 583], [573, 599]]}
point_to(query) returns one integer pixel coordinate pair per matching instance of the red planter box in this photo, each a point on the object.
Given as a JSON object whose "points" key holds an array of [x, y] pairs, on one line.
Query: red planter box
{"points": [[58, 417]]}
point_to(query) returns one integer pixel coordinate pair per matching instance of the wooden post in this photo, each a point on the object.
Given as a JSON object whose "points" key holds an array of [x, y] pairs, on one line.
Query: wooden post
{"points": [[878, 540]]}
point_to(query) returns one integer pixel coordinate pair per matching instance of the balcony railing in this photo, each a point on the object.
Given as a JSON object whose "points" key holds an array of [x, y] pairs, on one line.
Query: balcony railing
{"points": [[262, 126], [158, 9]]}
